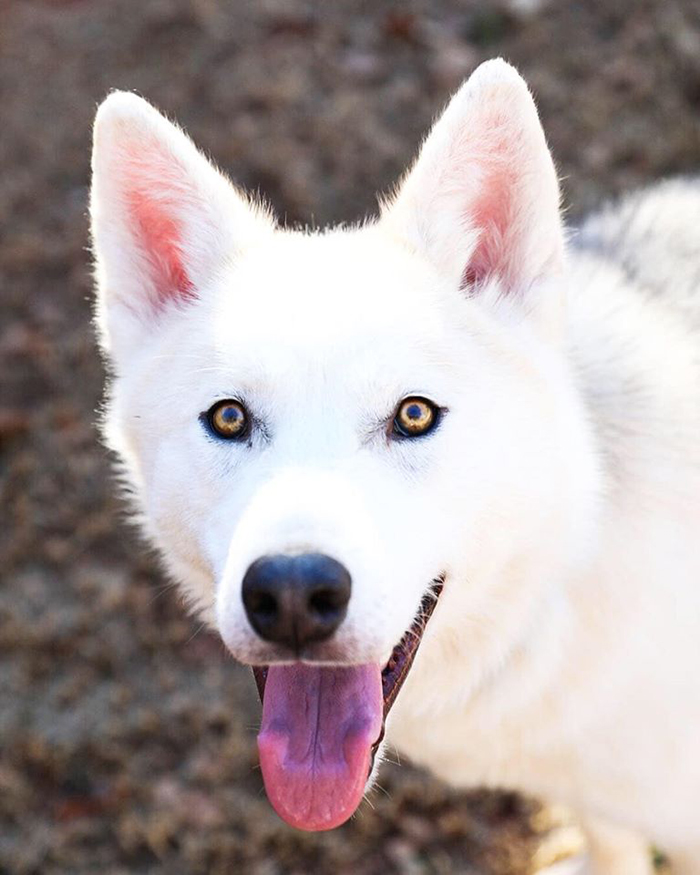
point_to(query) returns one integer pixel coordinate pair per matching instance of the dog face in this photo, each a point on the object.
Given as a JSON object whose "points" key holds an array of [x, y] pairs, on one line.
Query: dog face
{"points": [[321, 374], [390, 397]]}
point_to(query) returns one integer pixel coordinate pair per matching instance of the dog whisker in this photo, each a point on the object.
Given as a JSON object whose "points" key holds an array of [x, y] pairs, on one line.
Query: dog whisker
{"points": [[196, 632]]}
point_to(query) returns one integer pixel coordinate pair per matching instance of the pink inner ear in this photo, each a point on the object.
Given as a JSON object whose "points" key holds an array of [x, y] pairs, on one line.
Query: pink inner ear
{"points": [[493, 209], [153, 188], [161, 238]]}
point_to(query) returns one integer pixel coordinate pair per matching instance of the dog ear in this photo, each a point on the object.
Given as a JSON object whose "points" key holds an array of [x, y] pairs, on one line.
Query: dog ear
{"points": [[482, 200], [164, 220]]}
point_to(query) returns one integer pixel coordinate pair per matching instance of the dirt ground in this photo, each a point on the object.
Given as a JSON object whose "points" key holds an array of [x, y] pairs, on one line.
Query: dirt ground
{"points": [[126, 733]]}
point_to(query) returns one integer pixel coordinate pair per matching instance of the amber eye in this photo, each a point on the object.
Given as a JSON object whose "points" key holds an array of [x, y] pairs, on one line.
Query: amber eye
{"points": [[228, 419], [415, 417]]}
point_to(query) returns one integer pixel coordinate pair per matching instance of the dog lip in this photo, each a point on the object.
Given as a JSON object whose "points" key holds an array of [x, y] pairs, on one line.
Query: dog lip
{"points": [[399, 664]]}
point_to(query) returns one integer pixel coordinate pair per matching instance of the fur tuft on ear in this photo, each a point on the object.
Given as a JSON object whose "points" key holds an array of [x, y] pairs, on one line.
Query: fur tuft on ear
{"points": [[164, 220], [482, 200]]}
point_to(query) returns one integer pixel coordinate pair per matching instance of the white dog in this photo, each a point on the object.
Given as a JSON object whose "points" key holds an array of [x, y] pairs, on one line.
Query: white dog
{"points": [[445, 421]]}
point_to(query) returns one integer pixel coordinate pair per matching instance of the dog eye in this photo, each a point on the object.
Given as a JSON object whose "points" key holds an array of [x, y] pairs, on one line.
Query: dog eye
{"points": [[415, 417], [228, 419]]}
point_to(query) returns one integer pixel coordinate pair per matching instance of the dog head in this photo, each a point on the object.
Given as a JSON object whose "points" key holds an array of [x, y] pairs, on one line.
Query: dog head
{"points": [[319, 427]]}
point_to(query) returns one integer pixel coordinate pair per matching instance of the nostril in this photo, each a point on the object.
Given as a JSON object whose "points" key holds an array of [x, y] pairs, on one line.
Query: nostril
{"points": [[326, 602], [263, 604]]}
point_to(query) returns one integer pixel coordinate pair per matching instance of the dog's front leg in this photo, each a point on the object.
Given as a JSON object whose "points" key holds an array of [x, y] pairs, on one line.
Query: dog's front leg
{"points": [[617, 851]]}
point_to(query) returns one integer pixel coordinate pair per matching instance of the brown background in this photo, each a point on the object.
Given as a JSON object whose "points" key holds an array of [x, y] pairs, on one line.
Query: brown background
{"points": [[127, 735]]}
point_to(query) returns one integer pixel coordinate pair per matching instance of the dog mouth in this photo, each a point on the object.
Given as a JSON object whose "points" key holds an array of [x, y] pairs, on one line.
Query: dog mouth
{"points": [[323, 725]]}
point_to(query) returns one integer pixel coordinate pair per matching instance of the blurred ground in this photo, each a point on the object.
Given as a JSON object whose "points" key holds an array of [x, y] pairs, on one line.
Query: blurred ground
{"points": [[127, 735]]}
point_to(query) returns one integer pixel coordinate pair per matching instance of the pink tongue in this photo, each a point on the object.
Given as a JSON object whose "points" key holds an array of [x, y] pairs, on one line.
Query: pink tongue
{"points": [[318, 728]]}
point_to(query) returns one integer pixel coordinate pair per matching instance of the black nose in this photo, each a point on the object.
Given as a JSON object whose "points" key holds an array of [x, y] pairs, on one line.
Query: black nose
{"points": [[296, 600]]}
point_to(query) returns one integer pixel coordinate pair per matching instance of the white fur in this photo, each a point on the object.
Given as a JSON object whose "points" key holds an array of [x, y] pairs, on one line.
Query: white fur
{"points": [[560, 495]]}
